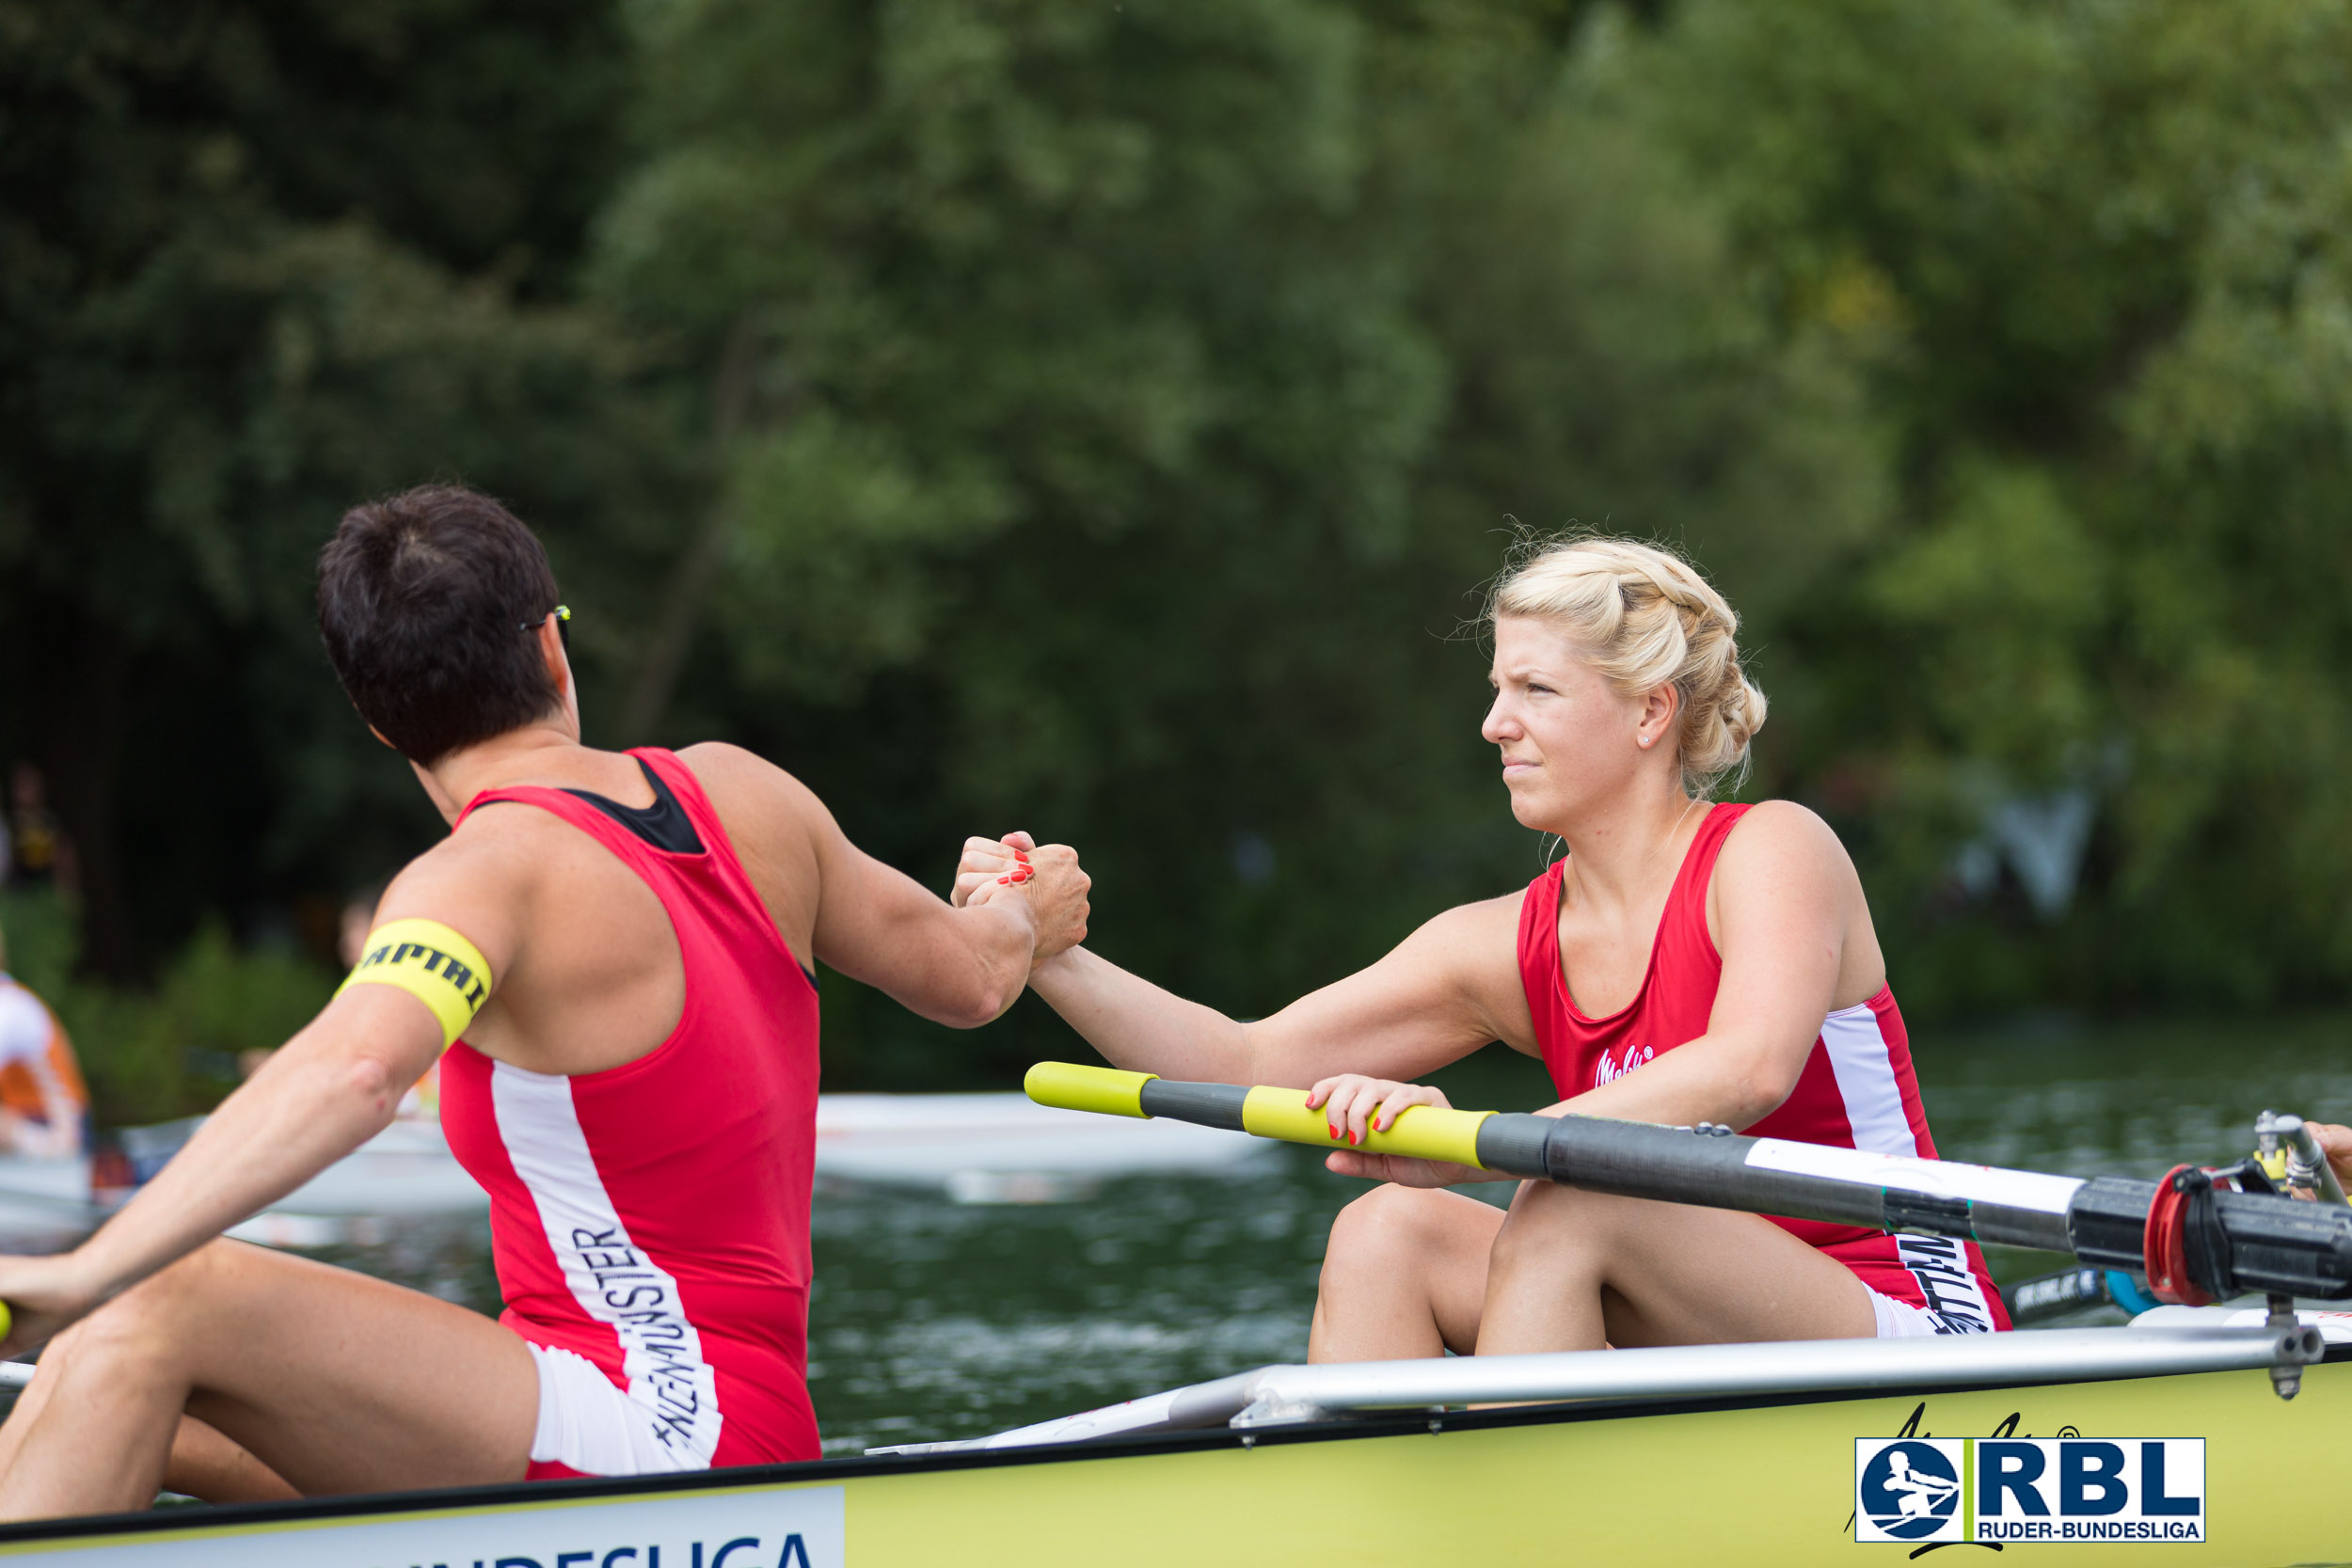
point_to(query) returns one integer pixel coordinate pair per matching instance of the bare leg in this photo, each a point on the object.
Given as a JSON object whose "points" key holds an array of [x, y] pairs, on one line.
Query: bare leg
{"points": [[1575, 1269], [204, 1464], [327, 1379], [1404, 1276]]}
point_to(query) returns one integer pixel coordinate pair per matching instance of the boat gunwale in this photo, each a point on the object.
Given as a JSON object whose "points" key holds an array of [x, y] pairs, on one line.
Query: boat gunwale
{"points": [[209, 1518]]}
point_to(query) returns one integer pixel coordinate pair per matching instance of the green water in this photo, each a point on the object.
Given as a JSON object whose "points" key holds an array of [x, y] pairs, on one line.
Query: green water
{"points": [[932, 1320]]}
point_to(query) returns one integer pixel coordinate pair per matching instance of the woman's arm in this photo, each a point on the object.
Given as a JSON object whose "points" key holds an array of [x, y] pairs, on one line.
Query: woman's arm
{"points": [[1444, 992], [1794, 932]]}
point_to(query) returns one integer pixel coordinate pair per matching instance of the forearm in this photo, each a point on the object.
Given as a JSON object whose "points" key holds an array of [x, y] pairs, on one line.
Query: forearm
{"points": [[961, 968], [312, 1104], [991, 962], [1138, 1025], [1733, 1083]]}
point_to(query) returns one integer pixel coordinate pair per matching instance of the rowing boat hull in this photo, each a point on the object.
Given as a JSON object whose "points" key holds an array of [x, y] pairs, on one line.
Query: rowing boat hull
{"points": [[1756, 1481]]}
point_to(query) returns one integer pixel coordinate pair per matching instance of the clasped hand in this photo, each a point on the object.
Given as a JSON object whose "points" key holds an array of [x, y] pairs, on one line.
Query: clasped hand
{"points": [[1046, 877]]}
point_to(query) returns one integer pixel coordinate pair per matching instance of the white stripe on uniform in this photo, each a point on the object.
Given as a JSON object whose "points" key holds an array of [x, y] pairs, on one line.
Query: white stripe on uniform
{"points": [[1866, 1081], [1939, 1266], [611, 1278]]}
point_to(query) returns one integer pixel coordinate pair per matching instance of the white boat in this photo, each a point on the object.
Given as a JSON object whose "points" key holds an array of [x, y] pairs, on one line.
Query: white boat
{"points": [[971, 1148], [1008, 1148]]}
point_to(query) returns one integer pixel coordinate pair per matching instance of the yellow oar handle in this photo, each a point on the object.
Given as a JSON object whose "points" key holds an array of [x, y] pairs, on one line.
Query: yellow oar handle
{"points": [[7, 1320], [1422, 1132], [1071, 1088]]}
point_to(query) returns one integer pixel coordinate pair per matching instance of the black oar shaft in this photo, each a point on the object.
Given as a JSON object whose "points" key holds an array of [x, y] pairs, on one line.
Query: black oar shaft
{"points": [[1718, 1171], [2229, 1242]]}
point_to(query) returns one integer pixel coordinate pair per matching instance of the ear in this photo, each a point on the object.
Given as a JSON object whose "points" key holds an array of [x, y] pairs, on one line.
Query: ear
{"points": [[558, 661], [1661, 709]]}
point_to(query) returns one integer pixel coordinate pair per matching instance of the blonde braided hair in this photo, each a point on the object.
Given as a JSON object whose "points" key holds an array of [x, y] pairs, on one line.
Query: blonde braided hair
{"points": [[1644, 617]]}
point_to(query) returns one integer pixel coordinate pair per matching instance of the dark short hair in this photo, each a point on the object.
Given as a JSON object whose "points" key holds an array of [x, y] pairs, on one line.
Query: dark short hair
{"points": [[423, 598]]}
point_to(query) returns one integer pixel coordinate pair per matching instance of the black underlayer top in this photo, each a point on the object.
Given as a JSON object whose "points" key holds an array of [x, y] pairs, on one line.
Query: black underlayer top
{"points": [[664, 824]]}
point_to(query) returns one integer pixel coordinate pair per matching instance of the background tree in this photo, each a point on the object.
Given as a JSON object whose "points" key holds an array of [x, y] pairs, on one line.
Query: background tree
{"points": [[1130, 403], [2103, 250], [255, 262], [1100, 419]]}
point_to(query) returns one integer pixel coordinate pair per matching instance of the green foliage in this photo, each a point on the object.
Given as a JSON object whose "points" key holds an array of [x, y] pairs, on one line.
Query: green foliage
{"points": [[2104, 249], [1140, 395], [151, 1057], [172, 1052], [256, 263], [38, 929], [1099, 419]]}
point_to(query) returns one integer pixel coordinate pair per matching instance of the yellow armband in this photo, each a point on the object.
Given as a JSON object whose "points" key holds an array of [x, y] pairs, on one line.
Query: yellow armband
{"points": [[431, 962]]}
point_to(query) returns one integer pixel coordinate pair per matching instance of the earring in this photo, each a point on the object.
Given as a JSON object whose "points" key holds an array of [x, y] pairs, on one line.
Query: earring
{"points": [[1645, 740]]}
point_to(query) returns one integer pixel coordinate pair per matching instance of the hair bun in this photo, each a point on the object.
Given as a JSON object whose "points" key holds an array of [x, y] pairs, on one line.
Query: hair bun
{"points": [[1646, 618]]}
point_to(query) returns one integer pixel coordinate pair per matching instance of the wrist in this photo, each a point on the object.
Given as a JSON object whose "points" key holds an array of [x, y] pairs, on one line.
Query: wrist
{"points": [[84, 1279], [1054, 968]]}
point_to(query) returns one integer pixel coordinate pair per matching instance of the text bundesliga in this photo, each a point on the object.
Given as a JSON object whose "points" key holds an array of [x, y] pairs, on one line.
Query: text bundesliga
{"points": [[2091, 1529], [743, 1552]]}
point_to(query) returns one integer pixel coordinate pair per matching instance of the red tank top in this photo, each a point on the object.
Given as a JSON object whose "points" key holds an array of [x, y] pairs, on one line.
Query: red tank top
{"points": [[653, 1217], [1857, 1089]]}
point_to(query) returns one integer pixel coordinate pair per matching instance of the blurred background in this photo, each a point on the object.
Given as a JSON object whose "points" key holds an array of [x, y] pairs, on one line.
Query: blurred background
{"points": [[1099, 417]]}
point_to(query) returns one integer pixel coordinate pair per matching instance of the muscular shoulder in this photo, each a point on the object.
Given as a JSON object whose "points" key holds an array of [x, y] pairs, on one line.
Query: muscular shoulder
{"points": [[782, 832], [480, 879], [1781, 858], [770, 815], [1777, 834], [716, 761]]}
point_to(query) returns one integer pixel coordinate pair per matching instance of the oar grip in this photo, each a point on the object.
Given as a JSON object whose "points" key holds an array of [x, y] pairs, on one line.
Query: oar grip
{"points": [[1068, 1087], [1420, 1132]]}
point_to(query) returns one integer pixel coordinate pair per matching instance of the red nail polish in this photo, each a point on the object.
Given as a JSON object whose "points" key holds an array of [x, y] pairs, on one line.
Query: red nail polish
{"points": [[1004, 879]]}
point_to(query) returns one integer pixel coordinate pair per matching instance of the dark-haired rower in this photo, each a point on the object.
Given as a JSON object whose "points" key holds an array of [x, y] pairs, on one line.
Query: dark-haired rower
{"points": [[621, 941]]}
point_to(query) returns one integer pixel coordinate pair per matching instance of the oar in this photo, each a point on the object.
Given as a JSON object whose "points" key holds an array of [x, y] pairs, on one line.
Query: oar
{"points": [[14, 1375], [2194, 1241]]}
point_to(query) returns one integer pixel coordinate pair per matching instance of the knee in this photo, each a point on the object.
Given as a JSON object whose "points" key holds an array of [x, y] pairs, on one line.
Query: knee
{"points": [[1384, 1226], [1548, 1226], [143, 1325]]}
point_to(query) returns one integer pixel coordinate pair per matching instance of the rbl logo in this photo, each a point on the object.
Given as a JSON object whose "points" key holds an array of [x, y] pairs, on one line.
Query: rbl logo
{"points": [[1999, 1489]]}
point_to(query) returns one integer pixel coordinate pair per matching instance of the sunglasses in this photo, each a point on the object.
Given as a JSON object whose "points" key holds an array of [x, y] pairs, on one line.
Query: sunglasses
{"points": [[562, 617]]}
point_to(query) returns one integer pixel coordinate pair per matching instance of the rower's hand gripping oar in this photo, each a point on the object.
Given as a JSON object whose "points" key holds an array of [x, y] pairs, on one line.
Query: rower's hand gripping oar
{"points": [[1422, 1132], [2196, 1243]]}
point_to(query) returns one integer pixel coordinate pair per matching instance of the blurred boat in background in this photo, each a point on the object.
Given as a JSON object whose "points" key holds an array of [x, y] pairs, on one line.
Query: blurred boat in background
{"points": [[968, 1147]]}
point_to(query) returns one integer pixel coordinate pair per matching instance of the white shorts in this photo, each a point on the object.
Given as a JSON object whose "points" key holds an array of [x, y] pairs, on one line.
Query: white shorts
{"points": [[588, 1425], [1900, 1319]]}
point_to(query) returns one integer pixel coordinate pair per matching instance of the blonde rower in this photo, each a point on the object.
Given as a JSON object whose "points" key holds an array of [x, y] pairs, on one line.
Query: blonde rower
{"points": [[1681, 962]]}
